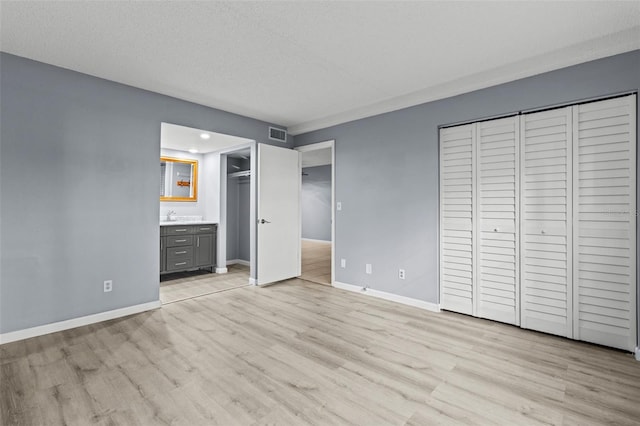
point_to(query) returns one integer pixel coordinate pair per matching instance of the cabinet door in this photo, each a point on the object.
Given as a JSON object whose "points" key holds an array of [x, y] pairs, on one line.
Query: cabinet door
{"points": [[497, 294], [605, 222], [546, 214], [456, 218], [204, 250], [163, 257]]}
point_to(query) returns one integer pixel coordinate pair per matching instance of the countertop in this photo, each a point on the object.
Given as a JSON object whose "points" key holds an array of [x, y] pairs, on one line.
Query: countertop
{"points": [[187, 222]]}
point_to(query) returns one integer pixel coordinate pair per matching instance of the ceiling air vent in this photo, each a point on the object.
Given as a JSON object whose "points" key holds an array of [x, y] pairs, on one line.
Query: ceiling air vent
{"points": [[277, 134]]}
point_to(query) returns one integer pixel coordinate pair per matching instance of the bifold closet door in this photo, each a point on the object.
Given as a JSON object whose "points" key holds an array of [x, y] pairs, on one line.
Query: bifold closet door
{"points": [[546, 221], [604, 223], [456, 218], [498, 288]]}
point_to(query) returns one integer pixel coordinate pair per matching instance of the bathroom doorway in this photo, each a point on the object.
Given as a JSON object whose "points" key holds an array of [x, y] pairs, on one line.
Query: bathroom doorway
{"points": [[200, 211]]}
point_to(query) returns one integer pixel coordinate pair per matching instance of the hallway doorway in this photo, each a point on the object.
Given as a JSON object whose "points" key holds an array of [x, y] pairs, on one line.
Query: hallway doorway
{"points": [[316, 261], [317, 212]]}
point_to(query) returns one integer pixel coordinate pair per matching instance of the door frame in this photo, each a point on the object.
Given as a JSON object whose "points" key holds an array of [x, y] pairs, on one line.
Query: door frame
{"points": [[221, 252], [314, 147]]}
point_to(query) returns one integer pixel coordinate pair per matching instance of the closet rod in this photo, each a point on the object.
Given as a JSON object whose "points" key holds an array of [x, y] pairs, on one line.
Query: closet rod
{"points": [[240, 174]]}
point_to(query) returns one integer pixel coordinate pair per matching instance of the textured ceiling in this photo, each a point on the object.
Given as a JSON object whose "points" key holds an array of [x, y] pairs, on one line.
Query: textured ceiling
{"points": [[310, 64]]}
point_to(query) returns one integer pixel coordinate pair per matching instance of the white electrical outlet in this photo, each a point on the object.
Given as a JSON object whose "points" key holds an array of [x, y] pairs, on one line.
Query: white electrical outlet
{"points": [[401, 274], [338, 206], [368, 269], [108, 286], [343, 263]]}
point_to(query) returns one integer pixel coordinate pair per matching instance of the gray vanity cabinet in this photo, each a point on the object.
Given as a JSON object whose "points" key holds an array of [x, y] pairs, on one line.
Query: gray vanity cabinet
{"points": [[205, 247], [185, 247]]}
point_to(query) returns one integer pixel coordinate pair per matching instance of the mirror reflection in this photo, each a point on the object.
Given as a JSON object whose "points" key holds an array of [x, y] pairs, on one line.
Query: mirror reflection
{"points": [[178, 179]]}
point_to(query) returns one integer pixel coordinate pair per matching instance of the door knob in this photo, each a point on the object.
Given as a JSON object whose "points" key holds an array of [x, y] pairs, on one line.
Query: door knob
{"points": [[263, 221]]}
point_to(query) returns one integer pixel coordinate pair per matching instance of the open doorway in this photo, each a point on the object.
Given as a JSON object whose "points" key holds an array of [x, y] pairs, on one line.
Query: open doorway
{"points": [[238, 210], [317, 212], [237, 248], [192, 227]]}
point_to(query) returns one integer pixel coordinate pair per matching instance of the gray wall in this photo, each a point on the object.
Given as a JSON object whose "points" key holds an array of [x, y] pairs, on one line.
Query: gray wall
{"points": [[387, 171], [79, 189], [316, 203]]}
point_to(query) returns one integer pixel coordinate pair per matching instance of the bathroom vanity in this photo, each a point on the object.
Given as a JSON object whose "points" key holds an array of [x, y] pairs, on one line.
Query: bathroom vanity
{"points": [[187, 246]]}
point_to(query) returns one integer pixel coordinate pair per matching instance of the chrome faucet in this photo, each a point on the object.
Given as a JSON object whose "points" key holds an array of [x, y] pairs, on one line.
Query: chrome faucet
{"points": [[171, 215]]}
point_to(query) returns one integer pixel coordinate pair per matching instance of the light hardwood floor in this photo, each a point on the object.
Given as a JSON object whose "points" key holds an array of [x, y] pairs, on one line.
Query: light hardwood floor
{"points": [[298, 353], [186, 285], [316, 262]]}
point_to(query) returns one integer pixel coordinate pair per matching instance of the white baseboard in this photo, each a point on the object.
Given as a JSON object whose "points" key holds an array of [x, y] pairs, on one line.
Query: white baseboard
{"points": [[221, 270], [239, 262], [433, 307], [637, 353], [317, 241], [40, 330]]}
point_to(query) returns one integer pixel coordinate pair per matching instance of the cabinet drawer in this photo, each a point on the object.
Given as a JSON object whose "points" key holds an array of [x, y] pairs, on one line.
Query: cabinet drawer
{"points": [[178, 241], [177, 264], [205, 229], [178, 230], [179, 253]]}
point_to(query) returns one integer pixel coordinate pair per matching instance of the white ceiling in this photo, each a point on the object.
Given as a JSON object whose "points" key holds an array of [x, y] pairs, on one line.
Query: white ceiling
{"points": [[181, 138], [307, 65], [317, 157]]}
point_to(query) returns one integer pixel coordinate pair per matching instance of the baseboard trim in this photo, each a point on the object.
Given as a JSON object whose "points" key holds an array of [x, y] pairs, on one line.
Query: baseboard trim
{"points": [[637, 353], [316, 241], [40, 330], [221, 270], [252, 281], [239, 262], [428, 306]]}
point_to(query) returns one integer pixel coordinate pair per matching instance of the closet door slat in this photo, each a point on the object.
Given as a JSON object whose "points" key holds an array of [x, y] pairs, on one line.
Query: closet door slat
{"points": [[456, 218], [604, 222], [546, 209], [498, 283]]}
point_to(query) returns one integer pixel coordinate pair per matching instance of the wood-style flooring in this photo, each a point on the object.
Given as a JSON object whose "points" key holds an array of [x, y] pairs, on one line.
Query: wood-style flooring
{"points": [[297, 353], [316, 261], [186, 285]]}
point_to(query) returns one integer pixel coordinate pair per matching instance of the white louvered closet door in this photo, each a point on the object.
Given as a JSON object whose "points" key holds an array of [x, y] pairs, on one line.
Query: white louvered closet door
{"points": [[546, 221], [456, 218], [605, 222], [497, 295]]}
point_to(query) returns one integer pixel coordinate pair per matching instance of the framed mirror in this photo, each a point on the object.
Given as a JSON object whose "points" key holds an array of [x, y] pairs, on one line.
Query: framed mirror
{"points": [[178, 179]]}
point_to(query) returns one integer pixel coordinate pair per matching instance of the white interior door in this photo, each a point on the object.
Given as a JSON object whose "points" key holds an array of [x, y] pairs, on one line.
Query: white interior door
{"points": [[546, 222], [278, 214], [457, 259], [605, 222], [498, 284]]}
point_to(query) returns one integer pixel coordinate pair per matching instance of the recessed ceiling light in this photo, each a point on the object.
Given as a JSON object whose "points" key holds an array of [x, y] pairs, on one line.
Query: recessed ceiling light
{"points": [[205, 135], [193, 151]]}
